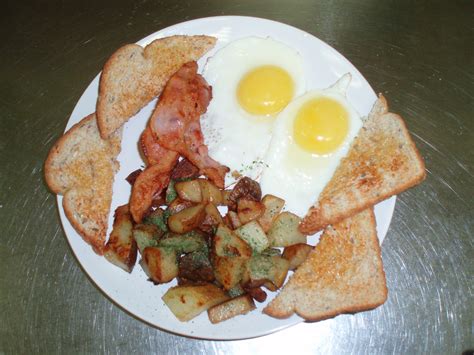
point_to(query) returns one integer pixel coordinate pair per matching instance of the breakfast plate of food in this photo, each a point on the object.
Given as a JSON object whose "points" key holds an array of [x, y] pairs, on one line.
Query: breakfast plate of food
{"points": [[228, 177]]}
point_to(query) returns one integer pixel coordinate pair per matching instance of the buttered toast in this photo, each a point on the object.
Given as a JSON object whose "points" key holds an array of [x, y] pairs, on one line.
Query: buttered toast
{"points": [[382, 161], [81, 167], [342, 274], [134, 75]]}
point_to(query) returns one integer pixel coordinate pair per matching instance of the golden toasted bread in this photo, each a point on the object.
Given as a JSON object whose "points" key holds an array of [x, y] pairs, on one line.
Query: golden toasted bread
{"points": [[134, 75], [81, 167], [342, 274], [382, 161]]}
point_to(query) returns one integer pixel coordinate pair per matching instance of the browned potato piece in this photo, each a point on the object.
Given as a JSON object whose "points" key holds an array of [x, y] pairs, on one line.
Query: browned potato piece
{"points": [[186, 302], [231, 308], [245, 187], [189, 190], [146, 235], [273, 206], [187, 219], [267, 268], [196, 267], [184, 243], [226, 243], [248, 210], [296, 254], [177, 205], [225, 197], [236, 291], [254, 235], [212, 219], [229, 270], [184, 169], [279, 272], [270, 286], [284, 230], [160, 264], [210, 193], [232, 220], [213, 213], [121, 249], [245, 276]]}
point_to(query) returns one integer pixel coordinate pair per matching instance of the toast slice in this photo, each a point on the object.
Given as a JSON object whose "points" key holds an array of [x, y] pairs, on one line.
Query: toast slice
{"points": [[81, 167], [382, 161], [134, 75], [342, 274]]}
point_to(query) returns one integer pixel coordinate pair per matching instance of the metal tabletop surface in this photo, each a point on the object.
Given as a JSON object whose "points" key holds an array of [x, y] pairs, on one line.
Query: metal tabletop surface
{"points": [[419, 54]]}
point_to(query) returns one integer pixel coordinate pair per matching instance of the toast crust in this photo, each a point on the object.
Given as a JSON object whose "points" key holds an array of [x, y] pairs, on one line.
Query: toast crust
{"points": [[382, 161], [134, 75], [81, 167], [342, 274]]}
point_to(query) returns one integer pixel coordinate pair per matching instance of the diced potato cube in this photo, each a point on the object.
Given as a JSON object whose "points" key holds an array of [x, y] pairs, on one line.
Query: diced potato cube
{"points": [[245, 188], [231, 308], [159, 264], [146, 235], [121, 248], [178, 205], [296, 254], [213, 212], [232, 220], [259, 268], [187, 302], [187, 219], [171, 193], [254, 235], [189, 190], [273, 206], [228, 270], [184, 170], [248, 210], [158, 217], [196, 267], [183, 243], [227, 243], [279, 272], [271, 252], [225, 197], [268, 268], [236, 291], [270, 286], [212, 219], [210, 193], [284, 230]]}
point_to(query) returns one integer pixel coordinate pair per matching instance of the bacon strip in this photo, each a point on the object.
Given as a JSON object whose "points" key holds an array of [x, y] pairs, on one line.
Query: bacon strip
{"points": [[175, 121], [148, 184], [154, 153]]}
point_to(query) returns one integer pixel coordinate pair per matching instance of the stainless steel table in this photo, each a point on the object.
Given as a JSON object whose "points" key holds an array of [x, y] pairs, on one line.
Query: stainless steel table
{"points": [[420, 54]]}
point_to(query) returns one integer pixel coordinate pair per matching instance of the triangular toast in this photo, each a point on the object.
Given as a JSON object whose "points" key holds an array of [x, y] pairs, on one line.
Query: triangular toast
{"points": [[134, 75], [342, 274], [81, 166], [382, 161]]}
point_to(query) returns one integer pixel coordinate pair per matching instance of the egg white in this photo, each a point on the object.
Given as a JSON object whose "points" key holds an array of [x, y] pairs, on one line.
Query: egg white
{"points": [[294, 174], [235, 137]]}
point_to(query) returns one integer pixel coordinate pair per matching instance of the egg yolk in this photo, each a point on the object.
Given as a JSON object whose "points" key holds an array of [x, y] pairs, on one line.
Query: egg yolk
{"points": [[265, 90], [321, 125]]}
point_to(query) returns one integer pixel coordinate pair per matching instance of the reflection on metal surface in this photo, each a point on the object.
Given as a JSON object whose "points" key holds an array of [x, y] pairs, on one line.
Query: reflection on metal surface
{"points": [[418, 54]]}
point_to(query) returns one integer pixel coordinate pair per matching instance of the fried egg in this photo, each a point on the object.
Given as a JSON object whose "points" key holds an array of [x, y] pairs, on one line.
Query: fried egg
{"points": [[310, 137], [252, 79]]}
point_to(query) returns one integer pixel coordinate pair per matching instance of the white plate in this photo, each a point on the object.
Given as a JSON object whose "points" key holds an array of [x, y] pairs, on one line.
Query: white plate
{"points": [[323, 66]]}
